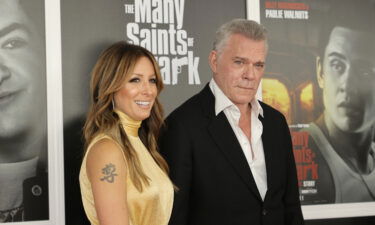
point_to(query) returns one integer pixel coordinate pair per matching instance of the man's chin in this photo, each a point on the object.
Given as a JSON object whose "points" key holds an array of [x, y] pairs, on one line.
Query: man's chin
{"points": [[13, 127], [10, 137], [351, 125], [244, 100]]}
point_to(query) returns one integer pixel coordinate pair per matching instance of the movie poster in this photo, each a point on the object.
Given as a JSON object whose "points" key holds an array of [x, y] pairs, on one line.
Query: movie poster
{"points": [[23, 121], [31, 168], [320, 73]]}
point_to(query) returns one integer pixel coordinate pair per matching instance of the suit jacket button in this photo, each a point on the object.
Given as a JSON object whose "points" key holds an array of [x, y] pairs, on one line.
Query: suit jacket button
{"points": [[264, 212]]}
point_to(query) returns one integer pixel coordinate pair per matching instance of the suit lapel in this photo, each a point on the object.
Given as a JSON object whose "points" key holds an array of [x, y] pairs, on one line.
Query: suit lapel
{"points": [[268, 146], [223, 135]]}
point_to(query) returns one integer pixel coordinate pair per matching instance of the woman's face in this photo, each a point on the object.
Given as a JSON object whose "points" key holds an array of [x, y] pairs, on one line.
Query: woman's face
{"points": [[138, 92]]}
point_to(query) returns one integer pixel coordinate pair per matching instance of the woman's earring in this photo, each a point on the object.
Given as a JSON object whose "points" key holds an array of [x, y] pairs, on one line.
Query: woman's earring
{"points": [[113, 104]]}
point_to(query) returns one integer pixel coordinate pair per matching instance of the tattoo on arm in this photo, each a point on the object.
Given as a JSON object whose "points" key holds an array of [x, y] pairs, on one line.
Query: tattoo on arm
{"points": [[109, 173]]}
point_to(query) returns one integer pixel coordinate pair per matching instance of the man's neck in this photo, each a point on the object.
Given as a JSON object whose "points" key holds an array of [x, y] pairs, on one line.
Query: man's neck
{"points": [[22, 148], [245, 119], [12, 176]]}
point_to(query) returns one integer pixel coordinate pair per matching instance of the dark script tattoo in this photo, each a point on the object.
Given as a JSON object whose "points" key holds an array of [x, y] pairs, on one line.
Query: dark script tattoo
{"points": [[109, 173]]}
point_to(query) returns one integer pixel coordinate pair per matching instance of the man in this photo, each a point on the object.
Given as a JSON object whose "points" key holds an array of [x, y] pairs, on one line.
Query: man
{"points": [[230, 155], [23, 114], [344, 134]]}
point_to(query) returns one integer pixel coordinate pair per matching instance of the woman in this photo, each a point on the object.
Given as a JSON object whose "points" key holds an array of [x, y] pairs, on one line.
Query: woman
{"points": [[123, 178]]}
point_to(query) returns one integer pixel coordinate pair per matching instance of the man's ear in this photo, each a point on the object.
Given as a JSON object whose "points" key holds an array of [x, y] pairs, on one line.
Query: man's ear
{"points": [[212, 60], [319, 72]]}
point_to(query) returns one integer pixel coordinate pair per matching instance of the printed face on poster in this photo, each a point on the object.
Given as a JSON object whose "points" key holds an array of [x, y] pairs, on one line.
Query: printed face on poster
{"points": [[320, 73], [30, 158]]}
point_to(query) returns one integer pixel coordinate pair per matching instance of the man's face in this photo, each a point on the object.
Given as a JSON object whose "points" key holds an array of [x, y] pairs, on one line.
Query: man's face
{"points": [[238, 68], [348, 80], [22, 76]]}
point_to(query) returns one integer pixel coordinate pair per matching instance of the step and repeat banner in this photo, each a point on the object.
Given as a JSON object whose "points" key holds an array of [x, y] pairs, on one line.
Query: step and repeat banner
{"points": [[320, 74], [178, 32]]}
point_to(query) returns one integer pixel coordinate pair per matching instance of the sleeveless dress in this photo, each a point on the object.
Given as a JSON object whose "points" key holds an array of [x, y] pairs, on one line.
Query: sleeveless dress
{"points": [[152, 206]]}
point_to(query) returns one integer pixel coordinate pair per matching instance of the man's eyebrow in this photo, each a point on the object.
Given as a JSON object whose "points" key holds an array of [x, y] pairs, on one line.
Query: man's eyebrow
{"points": [[13, 26], [243, 59], [246, 60], [239, 57], [338, 55]]}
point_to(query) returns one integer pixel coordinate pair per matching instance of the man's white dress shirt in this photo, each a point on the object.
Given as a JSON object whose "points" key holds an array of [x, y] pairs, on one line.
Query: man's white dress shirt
{"points": [[252, 149]]}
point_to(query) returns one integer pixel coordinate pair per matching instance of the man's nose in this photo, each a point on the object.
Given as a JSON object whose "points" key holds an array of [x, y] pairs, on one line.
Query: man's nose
{"points": [[249, 71], [4, 73], [350, 81]]}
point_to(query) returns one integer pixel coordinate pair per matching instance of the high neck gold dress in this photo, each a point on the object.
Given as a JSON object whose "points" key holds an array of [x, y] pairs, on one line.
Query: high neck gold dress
{"points": [[153, 205]]}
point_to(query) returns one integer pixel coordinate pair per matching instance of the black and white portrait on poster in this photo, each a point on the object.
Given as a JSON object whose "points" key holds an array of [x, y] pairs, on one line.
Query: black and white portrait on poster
{"points": [[320, 74], [30, 112], [23, 112]]}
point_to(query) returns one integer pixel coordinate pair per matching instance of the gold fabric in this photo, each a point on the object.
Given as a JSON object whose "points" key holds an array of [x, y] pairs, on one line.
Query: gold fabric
{"points": [[153, 206]]}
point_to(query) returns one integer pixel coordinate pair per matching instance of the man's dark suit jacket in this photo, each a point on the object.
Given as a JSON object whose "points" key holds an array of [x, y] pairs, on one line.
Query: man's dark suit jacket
{"points": [[207, 164]]}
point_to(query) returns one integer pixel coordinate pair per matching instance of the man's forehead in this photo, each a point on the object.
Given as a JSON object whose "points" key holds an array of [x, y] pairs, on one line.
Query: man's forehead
{"points": [[239, 43], [243, 37], [10, 11], [351, 36], [350, 41]]}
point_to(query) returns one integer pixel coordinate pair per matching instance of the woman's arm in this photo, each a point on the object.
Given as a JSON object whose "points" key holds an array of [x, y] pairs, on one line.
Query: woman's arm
{"points": [[106, 170]]}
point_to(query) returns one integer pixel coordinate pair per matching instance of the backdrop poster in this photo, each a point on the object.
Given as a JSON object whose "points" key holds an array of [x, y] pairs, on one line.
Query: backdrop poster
{"points": [[320, 73], [180, 34], [23, 122], [30, 140]]}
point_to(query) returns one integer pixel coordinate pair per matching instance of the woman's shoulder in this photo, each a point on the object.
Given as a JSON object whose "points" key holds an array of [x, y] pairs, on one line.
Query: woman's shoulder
{"points": [[104, 149]]}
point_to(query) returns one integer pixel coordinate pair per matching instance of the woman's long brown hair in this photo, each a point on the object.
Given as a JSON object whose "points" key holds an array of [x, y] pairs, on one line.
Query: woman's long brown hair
{"points": [[114, 65]]}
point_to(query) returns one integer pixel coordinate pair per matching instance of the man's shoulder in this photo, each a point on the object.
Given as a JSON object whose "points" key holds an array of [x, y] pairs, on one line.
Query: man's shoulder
{"points": [[192, 107], [190, 104]]}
